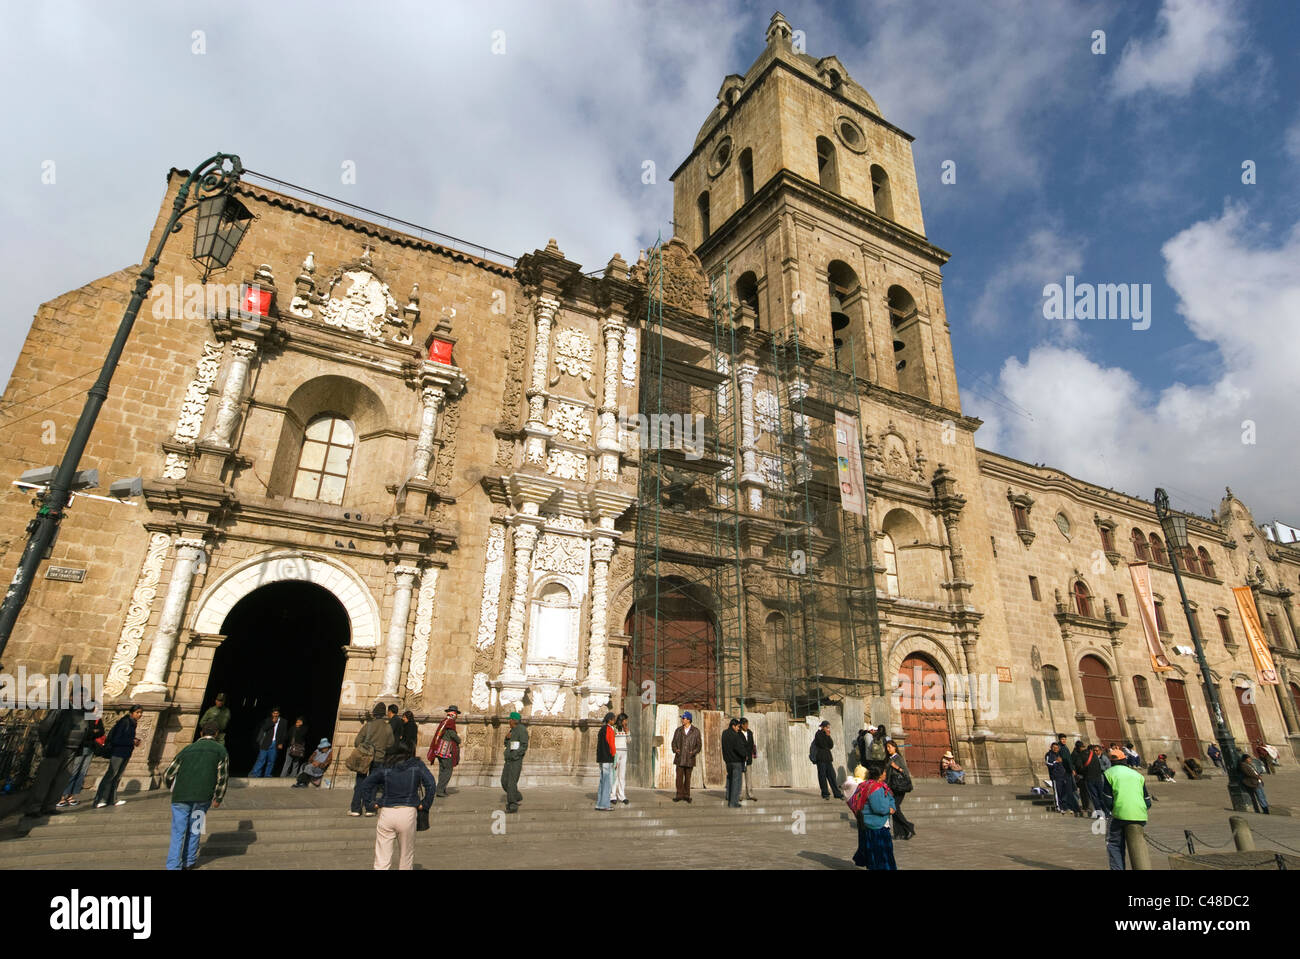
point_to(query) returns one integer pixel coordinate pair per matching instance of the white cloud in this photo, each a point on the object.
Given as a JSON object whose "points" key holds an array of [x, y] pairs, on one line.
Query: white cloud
{"points": [[1098, 423], [1012, 296], [1196, 38]]}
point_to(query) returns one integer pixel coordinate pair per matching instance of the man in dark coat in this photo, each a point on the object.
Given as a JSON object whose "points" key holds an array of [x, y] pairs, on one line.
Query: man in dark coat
{"points": [[375, 738], [826, 762], [686, 744], [270, 739], [218, 714], [751, 753], [735, 750], [1094, 779], [56, 736], [121, 743]]}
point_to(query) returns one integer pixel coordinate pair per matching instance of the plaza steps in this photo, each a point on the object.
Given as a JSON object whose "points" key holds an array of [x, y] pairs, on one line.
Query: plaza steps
{"points": [[265, 827]]}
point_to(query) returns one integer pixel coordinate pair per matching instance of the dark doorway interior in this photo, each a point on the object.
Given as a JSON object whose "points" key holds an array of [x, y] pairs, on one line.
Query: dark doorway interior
{"points": [[284, 647]]}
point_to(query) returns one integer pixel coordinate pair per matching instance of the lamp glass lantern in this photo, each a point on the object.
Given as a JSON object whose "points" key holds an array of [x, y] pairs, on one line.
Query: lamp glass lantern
{"points": [[1175, 527], [219, 226]]}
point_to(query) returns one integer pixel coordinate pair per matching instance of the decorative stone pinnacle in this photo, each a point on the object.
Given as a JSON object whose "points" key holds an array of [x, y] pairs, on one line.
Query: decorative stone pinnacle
{"points": [[309, 264], [264, 275], [778, 27]]}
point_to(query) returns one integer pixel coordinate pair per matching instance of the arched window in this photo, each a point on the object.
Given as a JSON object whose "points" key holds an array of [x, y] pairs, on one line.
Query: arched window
{"points": [[891, 564], [827, 172], [1082, 599], [779, 652], [1052, 684], [1161, 624], [1140, 548], [1207, 564], [747, 294], [905, 321], [1158, 551], [746, 164], [846, 313], [880, 192], [554, 625], [325, 458], [703, 204], [1188, 559], [1141, 691]]}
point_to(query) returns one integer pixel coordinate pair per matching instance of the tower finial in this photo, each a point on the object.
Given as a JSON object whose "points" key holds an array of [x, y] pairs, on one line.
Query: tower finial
{"points": [[779, 28]]}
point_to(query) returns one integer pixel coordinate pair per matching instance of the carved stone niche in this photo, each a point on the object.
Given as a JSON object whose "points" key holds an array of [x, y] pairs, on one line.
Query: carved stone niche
{"points": [[1025, 502]]}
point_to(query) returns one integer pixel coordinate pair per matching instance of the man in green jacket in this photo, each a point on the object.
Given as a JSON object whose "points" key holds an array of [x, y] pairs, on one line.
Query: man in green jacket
{"points": [[1126, 793], [516, 746], [217, 715], [197, 778]]}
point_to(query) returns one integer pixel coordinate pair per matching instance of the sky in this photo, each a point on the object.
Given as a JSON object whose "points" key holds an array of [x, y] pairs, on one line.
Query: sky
{"points": [[1150, 143]]}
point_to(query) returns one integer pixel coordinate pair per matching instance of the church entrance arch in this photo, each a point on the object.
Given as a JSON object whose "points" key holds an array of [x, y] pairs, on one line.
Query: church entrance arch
{"points": [[284, 647], [923, 714], [675, 645]]}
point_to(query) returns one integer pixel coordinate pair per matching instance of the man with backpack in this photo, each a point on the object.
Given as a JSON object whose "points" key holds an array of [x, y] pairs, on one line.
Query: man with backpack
{"points": [[56, 734], [120, 745], [372, 744], [821, 754]]}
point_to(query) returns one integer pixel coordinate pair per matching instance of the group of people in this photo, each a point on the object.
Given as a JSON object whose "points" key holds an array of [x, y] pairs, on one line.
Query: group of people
{"points": [[70, 740], [738, 754], [1078, 776]]}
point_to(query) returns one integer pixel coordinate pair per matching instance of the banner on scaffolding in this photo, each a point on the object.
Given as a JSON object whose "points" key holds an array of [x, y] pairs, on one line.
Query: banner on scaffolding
{"points": [[1146, 604], [848, 456], [1255, 635]]}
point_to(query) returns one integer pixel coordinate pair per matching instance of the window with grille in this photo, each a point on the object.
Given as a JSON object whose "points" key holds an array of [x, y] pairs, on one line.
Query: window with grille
{"points": [[1207, 564], [326, 456], [1123, 606], [1225, 628], [1033, 588], [1052, 683], [1141, 691]]}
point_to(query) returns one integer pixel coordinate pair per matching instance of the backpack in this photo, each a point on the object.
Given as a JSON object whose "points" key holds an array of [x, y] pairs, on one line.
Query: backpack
{"points": [[859, 798], [812, 752], [899, 781]]}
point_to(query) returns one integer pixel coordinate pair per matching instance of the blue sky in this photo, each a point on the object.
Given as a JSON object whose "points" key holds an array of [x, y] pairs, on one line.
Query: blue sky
{"points": [[1123, 167]]}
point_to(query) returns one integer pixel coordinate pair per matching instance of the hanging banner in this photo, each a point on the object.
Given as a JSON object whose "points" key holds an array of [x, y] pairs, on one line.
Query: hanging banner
{"points": [[1255, 635], [848, 456], [1146, 604]]}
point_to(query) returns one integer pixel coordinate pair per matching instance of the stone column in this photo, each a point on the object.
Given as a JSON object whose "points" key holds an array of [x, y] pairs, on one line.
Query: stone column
{"points": [[607, 440], [535, 449], [745, 374], [525, 538], [431, 397], [1076, 684], [188, 554], [971, 655], [241, 354], [395, 646], [1283, 690], [602, 551], [1119, 685]]}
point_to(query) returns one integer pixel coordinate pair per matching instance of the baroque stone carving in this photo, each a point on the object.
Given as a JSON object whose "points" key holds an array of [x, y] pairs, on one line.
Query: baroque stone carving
{"points": [[567, 464], [561, 554], [767, 410], [423, 628], [363, 307], [684, 283], [629, 356], [514, 388], [492, 570], [193, 407], [480, 693], [560, 521], [447, 454], [573, 352], [571, 422], [137, 616]]}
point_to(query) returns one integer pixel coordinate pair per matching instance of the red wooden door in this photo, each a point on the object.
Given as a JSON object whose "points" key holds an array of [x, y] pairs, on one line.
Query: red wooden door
{"points": [[1183, 723], [1099, 699], [681, 658], [924, 716], [1254, 735]]}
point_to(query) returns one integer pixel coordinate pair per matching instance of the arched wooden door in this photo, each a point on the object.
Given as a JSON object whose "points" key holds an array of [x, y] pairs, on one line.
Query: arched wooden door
{"points": [[1254, 735], [924, 716], [1099, 699], [680, 656], [1183, 723]]}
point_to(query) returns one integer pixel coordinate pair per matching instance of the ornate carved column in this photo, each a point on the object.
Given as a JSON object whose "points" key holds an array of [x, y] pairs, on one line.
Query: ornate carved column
{"points": [[751, 481], [431, 398], [423, 628], [241, 355], [188, 554], [607, 441], [395, 645], [526, 530], [1285, 701], [535, 428]]}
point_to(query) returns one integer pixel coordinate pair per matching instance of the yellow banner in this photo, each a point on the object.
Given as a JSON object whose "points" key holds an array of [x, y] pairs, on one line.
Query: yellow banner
{"points": [[1146, 604], [1255, 635]]}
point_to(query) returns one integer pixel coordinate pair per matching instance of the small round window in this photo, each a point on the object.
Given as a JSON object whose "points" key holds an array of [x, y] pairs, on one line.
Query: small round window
{"points": [[851, 135], [721, 157]]}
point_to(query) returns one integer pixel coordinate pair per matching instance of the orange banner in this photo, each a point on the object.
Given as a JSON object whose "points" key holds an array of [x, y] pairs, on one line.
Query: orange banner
{"points": [[1255, 635], [1146, 604]]}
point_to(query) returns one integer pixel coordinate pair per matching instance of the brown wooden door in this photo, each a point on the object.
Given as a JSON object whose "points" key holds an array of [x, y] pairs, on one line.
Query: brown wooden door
{"points": [[681, 658], [925, 716], [1099, 699], [1183, 723], [1254, 735]]}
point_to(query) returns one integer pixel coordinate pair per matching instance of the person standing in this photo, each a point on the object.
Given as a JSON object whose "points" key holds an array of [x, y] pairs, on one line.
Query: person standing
{"points": [[59, 734], [445, 748], [270, 739], [295, 753], [1077, 757], [372, 744], [1253, 783], [1094, 780], [875, 845], [121, 744], [899, 780], [751, 753], [197, 778], [395, 723], [80, 762], [218, 715], [876, 751], [1126, 795], [1265, 757], [516, 746], [735, 750], [823, 743], [402, 781], [686, 745], [1062, 781], [410, 730], [606, 750], [621, 738]]}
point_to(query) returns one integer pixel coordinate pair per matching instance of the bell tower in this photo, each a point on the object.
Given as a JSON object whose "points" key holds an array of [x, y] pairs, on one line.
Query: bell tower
{"points": [[809, 196]]}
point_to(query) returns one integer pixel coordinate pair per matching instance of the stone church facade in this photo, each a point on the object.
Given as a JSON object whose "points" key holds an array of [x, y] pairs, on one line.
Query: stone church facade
{"points": [[404, 476]]}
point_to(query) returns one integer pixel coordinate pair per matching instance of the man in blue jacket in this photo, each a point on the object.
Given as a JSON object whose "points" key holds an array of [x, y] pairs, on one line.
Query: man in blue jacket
{"points": [[401, 781], [121, 743]]}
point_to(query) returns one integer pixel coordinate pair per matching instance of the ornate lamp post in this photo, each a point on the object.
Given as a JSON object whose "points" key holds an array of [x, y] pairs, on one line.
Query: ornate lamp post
{"points": [[219, 226], [1175, 528]]}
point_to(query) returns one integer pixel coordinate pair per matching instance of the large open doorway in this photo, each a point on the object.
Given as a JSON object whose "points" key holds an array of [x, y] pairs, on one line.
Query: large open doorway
{"points": [[678, 652], [284, 647]]}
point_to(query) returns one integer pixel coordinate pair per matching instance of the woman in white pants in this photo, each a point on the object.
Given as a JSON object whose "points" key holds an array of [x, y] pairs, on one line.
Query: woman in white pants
{"points": [[620, 759]]}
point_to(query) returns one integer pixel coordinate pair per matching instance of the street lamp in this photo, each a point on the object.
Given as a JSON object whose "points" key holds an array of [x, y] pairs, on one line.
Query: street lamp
{"points": [[1175, 527], [221, 223]]}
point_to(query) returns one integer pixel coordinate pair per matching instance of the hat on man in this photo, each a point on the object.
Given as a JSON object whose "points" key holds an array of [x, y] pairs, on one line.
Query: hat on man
{"points": [[516, 716], [452, 709], [687, 715], [948, 754], [825, 723], [1117, 753], [323, 744]]}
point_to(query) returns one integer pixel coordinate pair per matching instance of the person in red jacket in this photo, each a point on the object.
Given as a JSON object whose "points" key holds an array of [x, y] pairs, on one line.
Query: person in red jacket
{"points": [[605, 753], [445, 748]]}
